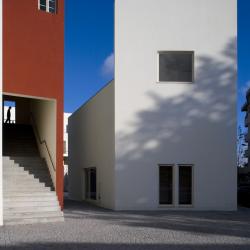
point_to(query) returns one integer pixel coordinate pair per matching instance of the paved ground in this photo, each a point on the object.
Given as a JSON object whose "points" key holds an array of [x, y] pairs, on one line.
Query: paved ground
{"points": [[86, 227]]}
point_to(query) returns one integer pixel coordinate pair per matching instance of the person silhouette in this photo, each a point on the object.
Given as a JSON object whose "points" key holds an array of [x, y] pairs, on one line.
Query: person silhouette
{"points": [[8, 115]]}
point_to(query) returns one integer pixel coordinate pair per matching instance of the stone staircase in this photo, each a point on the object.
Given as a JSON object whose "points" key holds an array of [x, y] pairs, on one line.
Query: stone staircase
{"points": [[28, 191]]}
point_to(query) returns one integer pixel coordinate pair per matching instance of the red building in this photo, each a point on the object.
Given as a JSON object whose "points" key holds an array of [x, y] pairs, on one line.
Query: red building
{"points": [[33, 82]]}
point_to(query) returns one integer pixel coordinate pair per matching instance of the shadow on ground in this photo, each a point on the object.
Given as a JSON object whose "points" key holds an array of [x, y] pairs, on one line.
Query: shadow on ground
{"points": [[102, 246], [215, 223]]}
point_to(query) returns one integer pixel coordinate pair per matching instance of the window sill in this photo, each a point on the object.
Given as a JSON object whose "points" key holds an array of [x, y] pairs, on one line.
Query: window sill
{"points": [[166, 206], [175, 206], [158, 82]]}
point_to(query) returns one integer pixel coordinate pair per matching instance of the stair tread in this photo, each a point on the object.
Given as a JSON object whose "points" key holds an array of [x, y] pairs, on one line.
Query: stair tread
{"points": [[28, 189]]}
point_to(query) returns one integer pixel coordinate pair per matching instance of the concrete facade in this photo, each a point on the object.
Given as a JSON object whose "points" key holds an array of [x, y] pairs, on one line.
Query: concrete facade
{"points": [[165, 123], [1, 113], [91, 144], [33, 72]]}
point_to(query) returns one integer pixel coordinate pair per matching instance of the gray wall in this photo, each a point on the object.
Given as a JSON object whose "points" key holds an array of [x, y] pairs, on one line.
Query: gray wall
{"points": [[91, 144], [175, 123]]}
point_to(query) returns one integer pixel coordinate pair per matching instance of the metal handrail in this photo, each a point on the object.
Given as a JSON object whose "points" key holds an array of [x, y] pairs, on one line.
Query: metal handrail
{"points": [[42, 141]]}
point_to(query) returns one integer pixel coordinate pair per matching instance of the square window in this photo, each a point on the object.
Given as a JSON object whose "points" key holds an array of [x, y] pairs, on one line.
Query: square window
{"points": [[176, 66]]}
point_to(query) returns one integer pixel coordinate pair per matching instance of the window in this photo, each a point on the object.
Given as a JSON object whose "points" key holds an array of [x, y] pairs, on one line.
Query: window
{"points": [[90, 174], [176, 66], [64, 147], [48, 5], [166, 185], [185, 185]]}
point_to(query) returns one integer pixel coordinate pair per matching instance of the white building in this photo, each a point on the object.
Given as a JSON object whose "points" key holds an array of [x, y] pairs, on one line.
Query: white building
{"points": [[65, 149], [163, 134]]}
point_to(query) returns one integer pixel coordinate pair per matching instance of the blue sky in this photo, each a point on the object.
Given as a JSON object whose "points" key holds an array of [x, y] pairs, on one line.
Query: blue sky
{"points": [[243, 53], [89, 43]]}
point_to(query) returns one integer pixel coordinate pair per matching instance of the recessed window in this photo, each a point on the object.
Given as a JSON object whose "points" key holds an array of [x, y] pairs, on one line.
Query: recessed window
{"points": [[176, 66], [47, 5], [166, 185], [185, 185], [90, 179]]}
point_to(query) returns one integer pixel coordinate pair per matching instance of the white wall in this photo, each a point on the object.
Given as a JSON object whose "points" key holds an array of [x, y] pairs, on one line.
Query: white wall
{"points": [[44, 113], [1, 117], [175, 123], [91, 144], [65, 133]]}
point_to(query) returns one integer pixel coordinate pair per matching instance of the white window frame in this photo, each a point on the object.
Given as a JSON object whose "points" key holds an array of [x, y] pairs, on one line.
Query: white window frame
{"points": [[160, 52], [175, 202], [47, 6]]}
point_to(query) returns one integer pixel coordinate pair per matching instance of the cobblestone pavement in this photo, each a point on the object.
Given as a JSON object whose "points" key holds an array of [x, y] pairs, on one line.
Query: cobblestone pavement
{"points": [[87, 227]]}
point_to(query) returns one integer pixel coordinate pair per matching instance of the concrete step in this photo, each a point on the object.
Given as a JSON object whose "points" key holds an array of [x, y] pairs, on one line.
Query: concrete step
{"points": [[13, 203], [19, 178], [7, 211], [21, 184], [25, 189], [30, 198], [24, 171], [15, 171], [27, 221], [29, 194], [36, 214], [22, 158], [27, 183]]}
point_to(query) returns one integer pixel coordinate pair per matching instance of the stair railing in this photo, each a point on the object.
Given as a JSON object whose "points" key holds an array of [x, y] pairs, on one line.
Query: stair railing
{"points": [[42, 141]]}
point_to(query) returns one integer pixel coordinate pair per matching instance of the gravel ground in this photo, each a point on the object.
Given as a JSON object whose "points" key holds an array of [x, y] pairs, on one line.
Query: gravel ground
{"points": [[88, 227]]}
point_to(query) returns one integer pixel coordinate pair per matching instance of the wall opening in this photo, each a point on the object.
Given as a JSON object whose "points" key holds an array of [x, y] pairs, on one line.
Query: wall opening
{"points": [[9, 111]]}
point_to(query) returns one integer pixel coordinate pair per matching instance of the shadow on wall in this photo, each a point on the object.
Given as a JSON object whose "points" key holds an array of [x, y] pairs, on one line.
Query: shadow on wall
{"points": [[202, 115]]}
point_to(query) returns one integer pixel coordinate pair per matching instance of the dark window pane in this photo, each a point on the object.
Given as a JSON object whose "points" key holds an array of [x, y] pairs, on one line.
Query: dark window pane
{"points": [[176, 67], [91, 184], [185, 185], [51, 10], [43, 2], [52, 6], [166, 185], [43, 7]]}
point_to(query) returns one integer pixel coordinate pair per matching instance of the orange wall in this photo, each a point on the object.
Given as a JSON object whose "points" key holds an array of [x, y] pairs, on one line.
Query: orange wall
{"points": [[33, 59]]}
